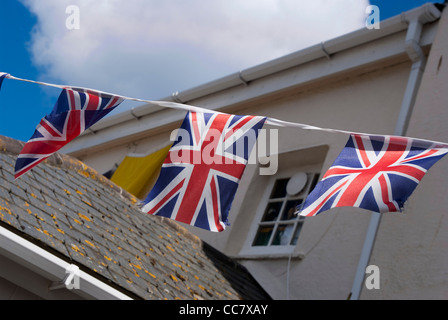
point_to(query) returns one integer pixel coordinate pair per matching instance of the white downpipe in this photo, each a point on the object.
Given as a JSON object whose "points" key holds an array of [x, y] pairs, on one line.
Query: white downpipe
{"points": [[415, 20], [49, 266]]}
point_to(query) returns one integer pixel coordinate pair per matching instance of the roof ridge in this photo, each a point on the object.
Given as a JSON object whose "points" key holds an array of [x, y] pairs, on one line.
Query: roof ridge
{"points": [[11, 145]]}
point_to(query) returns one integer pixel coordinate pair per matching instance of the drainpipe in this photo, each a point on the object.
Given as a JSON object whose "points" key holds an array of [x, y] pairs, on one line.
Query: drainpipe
{"points": [[415, 20]]}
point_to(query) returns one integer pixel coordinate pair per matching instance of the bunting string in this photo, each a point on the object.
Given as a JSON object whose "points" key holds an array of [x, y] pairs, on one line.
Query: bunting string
{"points": [[191, 108], [373, 172]]}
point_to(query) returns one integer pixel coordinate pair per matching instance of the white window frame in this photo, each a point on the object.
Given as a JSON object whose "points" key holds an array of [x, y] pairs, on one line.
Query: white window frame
{"points": [[249, 250]]}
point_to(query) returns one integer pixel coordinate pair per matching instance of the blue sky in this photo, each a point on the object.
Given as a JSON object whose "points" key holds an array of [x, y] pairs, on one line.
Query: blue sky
{"points": [[178, 54]]}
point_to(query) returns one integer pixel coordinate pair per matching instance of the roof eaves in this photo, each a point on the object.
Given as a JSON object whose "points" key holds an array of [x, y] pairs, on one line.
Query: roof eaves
{"points": [[43, 262]]}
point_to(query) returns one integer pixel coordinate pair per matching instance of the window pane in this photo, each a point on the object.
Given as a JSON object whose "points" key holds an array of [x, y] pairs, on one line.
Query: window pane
{"points": [[297, 232], [282, 235], [289, 213], [263, 236], [272, 211], [279, 190]]}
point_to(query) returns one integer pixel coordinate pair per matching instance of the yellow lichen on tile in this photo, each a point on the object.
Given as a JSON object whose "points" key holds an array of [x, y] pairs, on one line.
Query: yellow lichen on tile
{"points": [[2, 217], [84, 173], [136, 273], [82, 216], [150, 274], [170, 248], [89, 243], [87, 202], [136, 266], [76, 249], [6, 210]]}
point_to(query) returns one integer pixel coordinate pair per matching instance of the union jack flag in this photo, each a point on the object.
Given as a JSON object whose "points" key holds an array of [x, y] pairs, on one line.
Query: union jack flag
{"points": [[201, 173], [74, 112], [377, 173]]}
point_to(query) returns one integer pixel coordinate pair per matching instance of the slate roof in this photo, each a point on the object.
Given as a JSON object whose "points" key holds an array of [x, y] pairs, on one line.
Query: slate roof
{"points": [[73, 211]]}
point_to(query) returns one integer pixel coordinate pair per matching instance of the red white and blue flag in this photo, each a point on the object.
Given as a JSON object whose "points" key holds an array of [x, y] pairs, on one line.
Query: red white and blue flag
{"points": [[74, 112], [201, 173], [3, 75], [377, 173]]}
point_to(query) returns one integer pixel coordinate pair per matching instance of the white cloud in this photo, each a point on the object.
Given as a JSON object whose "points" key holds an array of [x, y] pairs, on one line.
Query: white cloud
{"points": [[151, 48]]}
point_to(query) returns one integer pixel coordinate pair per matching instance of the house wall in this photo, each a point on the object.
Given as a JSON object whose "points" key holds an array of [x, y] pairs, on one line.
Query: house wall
{"points": [[11, 291]]}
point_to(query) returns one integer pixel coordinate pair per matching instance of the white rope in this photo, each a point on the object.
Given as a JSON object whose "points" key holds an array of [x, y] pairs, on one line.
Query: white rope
{"points": [[190, 108]]}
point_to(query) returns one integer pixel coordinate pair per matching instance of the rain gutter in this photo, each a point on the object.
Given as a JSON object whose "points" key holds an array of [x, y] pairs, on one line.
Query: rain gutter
{"points": [[54, 268]]}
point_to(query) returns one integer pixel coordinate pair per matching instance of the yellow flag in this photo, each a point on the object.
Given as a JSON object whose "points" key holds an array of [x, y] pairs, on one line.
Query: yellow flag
{"points": [[137, 175]]}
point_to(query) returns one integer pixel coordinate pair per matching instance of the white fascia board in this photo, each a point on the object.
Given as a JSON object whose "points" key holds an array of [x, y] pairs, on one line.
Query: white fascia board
{"points": [[52, 267], [348, 52]]}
